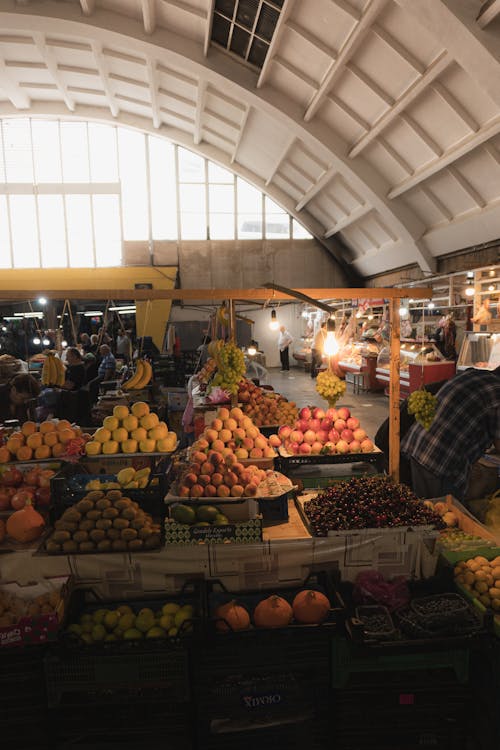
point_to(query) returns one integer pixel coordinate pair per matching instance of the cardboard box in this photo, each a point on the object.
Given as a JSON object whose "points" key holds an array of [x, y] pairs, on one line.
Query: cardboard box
{"points": [[246, 532]]}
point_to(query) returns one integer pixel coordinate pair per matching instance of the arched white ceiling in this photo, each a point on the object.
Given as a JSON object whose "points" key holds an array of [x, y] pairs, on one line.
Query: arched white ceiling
{"points": [[375, 119]]}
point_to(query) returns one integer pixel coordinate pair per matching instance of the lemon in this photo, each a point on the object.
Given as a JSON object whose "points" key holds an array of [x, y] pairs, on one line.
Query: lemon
{"points": [[99, 615], [167, 621], [173, 632], [124, 609], [98, 632], [111, 620], [170, 609], [126, 621], [156, 632], [75, 628], [132, 634], [87, 638]]}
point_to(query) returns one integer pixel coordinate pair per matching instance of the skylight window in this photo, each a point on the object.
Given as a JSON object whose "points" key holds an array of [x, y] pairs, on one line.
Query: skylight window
{"points": [[246, 27]]}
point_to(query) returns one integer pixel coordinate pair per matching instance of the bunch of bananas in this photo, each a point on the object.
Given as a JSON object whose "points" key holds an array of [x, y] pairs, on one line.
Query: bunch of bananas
{"points": [[330, 386], [53, 370], [230, 366], [423, 405], [214, 347], [223, 316], [207, 371], [141, 377]]}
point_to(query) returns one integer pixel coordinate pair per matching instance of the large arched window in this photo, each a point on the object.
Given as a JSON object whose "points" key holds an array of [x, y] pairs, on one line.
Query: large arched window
{"points": [[71, 192]]}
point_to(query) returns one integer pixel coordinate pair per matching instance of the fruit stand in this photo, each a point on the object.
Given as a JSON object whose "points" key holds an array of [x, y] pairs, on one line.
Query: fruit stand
{"points": [[210, 598]]}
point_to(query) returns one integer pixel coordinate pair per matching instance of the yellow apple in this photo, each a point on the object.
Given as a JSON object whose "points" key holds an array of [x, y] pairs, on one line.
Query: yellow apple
{"points": [[164, 445], [147, 446], [110, 447], [93, 448], [139, 434], [157, 433], [102, 435], [140, 409], [129, 446], [110, 423], [120, 412], [130, 423], [120, 434]]}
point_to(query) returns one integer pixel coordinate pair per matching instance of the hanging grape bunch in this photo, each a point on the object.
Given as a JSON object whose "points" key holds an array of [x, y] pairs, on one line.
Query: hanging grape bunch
{"points": [[230, 368], [423, 405], [330, 387]]}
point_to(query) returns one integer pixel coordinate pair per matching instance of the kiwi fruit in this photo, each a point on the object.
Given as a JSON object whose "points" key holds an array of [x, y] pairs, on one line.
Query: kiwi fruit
{"points": [[86, 547], [80, 536], [145, 532], [84, 505], [61, 536], [86, 524], [71, 516], [129, 514], [121, 523], [152, 541], [97, 535], [122, 504], [135, 544], [94, 495], [53, 548], [113, 495], [65, 526], [103, 503], [103, 523], [94, 515], [119, 545], [110, 513], [129, 534], [113, 534], [70, 546], [104, 545]]}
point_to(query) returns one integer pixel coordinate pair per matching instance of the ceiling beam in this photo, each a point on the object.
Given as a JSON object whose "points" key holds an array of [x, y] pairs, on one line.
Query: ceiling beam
{"points": [[200, 105], [314, 41], [222, 294], [421, 133], [456, 106], [398, 48], [467, 187], [276, 38], [316, 188], [295, 72], [464, 146], [281, 157], [208, 26], [437, 203], [87, 7], [351, 44], [102, 67], [348, 9], [346, 221], [50, 61], [489, 11], [152, 74], [412, 92], [19, 99], [241, 131], [191, 10], [149, 15]]}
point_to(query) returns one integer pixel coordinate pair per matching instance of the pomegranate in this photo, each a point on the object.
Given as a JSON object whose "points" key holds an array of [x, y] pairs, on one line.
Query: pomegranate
{"points": [[12, 478], [21, 498]]}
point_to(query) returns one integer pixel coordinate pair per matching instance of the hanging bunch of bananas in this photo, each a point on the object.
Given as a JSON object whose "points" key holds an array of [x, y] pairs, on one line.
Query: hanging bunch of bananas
{"points": [[53, 370], [423, 405], [230, 367], [223, 315], [141, 377]]}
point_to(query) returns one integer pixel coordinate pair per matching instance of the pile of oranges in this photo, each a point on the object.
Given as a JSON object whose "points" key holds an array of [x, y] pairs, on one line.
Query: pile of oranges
{"points": [[48, 440]]}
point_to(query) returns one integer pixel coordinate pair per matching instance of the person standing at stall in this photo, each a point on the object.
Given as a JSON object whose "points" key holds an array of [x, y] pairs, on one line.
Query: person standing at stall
{"points": [[317, 350], [284, 341], [466, 423]]}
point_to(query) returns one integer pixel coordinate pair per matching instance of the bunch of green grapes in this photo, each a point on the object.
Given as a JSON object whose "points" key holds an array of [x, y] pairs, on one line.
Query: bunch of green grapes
{"points": [[230, 368], [330, 386], [423, 405]]}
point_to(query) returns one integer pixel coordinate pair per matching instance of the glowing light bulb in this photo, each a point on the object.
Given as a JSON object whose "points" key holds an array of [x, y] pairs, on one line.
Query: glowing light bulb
{"points": [[331, 346], [274, 324], [64, 344], [403, 311], [370, 317], [42, 300], [469, 292], [252, 351], [46, 341], [431, 306], [491, 288], [36, 341]]}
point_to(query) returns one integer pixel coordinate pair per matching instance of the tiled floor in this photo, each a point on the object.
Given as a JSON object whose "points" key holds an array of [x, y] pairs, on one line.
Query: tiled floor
{"points": [[370, 408]]}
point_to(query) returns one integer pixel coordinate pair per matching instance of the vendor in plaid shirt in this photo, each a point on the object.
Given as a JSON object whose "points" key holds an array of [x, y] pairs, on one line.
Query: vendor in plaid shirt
{"points": [[467, 422]]}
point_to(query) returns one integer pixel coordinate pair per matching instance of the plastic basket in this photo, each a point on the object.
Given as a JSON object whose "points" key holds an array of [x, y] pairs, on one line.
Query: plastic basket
{"points": [[368, 615], [440, 609]]}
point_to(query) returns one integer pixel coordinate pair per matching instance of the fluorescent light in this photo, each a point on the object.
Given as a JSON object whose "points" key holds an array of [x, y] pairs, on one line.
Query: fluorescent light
{"points": [[491, 288], [403, 311], [93, 314], [29, 315], [122, 308]]}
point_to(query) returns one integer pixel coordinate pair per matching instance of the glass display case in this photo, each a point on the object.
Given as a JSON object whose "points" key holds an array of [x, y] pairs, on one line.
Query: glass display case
{"points": [[420, 364], [302, 349], [479, 350], [353, 356]]}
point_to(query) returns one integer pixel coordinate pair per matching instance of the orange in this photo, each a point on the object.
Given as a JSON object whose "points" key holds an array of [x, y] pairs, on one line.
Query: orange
{"points": [[57, 450], [24, 453], [120, 412], [110, 446], [66, 435], [120, 434], [140, 409], [63, 424], [93, 448], [102, 435], [13, 445], [35, 440], [47, 427], [4, 454], [28, 428], [43, 451], [51, 438]]}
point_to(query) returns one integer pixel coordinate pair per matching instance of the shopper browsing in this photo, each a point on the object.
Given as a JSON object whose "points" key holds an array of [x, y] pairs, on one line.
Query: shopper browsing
{"points": [[466, 423], [317, 350], [284, 341]]}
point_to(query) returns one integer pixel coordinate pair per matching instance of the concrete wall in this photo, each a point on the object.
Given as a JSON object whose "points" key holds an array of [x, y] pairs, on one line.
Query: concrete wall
{"points": [[242, 264]]}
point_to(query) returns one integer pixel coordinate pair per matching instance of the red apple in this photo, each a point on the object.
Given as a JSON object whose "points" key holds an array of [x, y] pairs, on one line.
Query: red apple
{"points": [[334, 436], [332, 414], [355, 446], [339, 425], [322, 436], [343, 413], [293, 448], [20, 499], [326, 424], [330, 447], [315, 424], [12, 478], [42, 496], [275, 441], [297, 436], [310, 437], [302, 425], [353, 423], [316, 448], [347, 436], [305, 413], [31, 477], [318, 413], [342, 447], [284, 431], [305, 448], [359, 435], [367, 446]]}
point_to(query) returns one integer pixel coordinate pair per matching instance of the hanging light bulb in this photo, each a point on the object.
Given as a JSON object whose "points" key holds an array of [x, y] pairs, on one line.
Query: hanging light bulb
{"points": [[42, 300], [491, 288], [469, 292], [64, 344], [274, 324], [36, 341], [331, 346], [4, 329], [370, 317], [45, 341], [403, 311], [431, 306], [252, 351]]}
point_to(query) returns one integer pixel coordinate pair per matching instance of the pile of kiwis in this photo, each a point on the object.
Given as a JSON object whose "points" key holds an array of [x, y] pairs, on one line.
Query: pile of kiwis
{"points": [[103, 522]]}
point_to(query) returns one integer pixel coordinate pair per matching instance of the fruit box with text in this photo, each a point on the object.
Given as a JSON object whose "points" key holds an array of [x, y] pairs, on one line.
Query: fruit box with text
{"points": [[234, 530], [36, 626]]}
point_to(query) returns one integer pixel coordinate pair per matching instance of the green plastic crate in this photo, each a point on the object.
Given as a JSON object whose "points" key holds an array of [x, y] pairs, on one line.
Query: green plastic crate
{"points": [[347, 659], [454, 557]]}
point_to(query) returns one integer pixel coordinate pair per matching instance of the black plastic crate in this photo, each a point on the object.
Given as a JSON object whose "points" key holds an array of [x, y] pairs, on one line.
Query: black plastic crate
{"points": [[120, 670], [23, 694], [275, 509]]}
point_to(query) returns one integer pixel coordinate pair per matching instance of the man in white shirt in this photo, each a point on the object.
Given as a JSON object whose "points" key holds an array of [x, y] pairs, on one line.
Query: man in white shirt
{"points": [[284, 341]]}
